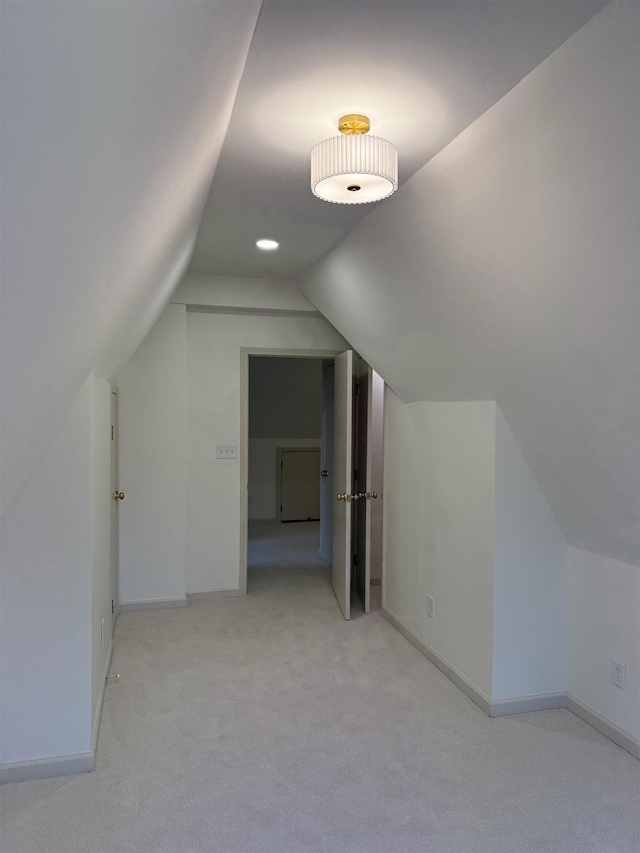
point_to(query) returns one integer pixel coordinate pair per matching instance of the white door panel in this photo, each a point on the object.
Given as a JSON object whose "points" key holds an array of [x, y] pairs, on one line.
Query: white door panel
{"points": [[342, 482]]}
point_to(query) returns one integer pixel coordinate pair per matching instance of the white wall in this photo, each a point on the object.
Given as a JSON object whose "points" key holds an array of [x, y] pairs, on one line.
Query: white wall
{"points": [[132, 185], [46, 599], [153, 419], [529, 581], [100, 535], [213, 486], [507, 269], [439, 528], [128, 185], [604, 624], [244, 293], [263, 472]]}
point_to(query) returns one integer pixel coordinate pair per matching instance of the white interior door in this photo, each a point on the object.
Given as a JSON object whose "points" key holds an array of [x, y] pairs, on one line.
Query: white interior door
{"points": [[114, 507], [361, 465], [342, 480], [299, 484], [327, 493]]}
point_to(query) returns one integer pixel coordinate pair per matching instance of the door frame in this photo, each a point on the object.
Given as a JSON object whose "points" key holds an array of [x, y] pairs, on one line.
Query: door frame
{"points": [[245, 353]]}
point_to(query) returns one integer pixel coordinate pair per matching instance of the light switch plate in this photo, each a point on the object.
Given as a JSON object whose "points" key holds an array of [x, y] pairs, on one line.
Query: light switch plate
{"points": [[226, 451]]}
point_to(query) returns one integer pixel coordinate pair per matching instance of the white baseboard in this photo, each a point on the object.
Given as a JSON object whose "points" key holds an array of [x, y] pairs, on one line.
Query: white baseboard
{"points": [[152, 604], [45, 768], [517, 704], [203, 595], [468, 688], [525, 704], [608, 729]]}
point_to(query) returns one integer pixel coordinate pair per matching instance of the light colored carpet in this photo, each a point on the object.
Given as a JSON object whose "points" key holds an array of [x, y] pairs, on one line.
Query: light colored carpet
{"points": [[268, 724]]}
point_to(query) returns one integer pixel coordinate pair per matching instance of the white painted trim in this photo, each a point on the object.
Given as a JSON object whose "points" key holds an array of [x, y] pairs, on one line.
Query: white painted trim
{"points": [[525, 704], [255, 312], [468, 688], [206, 594], [45, 768], [98, 712], [606, 728], [245, 352], [517, 704], [153, 604]]}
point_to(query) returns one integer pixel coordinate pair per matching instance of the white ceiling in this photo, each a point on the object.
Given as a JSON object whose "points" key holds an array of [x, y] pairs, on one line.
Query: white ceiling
{"points": [[421, 70]]}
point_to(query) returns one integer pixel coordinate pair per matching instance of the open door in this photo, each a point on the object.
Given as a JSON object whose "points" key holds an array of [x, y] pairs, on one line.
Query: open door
{"points": [[368, 464], [342, 480], [362, 479], [327, 492], [115, 494]]}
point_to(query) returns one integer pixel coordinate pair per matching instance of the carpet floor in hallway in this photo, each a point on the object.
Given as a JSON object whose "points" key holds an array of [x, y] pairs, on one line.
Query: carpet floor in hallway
{"points": [[267, 724]]}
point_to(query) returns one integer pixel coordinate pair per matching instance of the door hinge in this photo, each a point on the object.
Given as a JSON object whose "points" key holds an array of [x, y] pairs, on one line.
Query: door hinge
{"points": [[111, 432], [112, 607]]}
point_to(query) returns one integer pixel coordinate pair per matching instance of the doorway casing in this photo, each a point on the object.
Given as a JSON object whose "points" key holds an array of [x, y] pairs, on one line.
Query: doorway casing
{"points": [[245, 353]]}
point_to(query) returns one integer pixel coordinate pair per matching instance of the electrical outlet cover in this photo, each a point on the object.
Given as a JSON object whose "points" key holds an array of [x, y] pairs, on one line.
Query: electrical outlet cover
{"points": [[618, 674]]}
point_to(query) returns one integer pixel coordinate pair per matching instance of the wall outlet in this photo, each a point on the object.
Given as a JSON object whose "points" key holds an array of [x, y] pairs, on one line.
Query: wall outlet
{"points": [[618, 674], [226, 451], [430, 605]]}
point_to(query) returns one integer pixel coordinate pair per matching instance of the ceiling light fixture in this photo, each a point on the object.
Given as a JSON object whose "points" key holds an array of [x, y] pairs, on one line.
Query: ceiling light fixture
{"points": [[267, 245], [354, 168]]}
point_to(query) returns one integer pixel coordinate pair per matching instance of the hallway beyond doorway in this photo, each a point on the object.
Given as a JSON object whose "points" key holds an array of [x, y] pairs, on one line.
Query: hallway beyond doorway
{"points": [[286, 555]]}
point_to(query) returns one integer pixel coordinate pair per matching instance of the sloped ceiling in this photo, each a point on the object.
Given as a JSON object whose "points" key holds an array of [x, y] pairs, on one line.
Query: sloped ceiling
{"points": [[508, 269], [113, 116], [422, 70]]}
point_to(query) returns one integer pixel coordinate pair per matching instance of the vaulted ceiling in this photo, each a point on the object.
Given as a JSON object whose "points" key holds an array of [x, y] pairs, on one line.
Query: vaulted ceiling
{"points": [[113, 116], [133, 131], [421, 70]]}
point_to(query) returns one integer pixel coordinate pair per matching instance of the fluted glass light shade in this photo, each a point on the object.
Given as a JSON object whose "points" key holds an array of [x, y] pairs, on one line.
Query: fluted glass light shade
{"points": [[354, 168]]}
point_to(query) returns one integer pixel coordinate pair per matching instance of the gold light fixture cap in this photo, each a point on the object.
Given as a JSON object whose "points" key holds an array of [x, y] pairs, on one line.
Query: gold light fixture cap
{"points": [[354, 124]]}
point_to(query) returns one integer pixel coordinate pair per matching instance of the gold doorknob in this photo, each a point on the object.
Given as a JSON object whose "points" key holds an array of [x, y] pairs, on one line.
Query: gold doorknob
{"points": [[118, 496], [324, 473], [345, 497]]}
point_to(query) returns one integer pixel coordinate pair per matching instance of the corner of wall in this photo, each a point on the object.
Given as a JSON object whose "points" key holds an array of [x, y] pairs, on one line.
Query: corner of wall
{"points": [[603, 625], [529, 627]]}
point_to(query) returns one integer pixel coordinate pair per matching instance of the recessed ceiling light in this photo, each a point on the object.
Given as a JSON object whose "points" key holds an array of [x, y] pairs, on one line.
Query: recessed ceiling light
{"points": [[267, 245]]}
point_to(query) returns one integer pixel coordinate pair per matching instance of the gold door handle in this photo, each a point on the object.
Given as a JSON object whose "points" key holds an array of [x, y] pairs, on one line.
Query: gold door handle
{"points": [[368, 495], [324, 473], [118, 496], [346, 497]]}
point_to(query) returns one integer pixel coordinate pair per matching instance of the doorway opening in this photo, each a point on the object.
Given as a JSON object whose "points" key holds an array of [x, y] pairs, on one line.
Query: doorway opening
{"points": [[299, 445], [287, 442]]}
